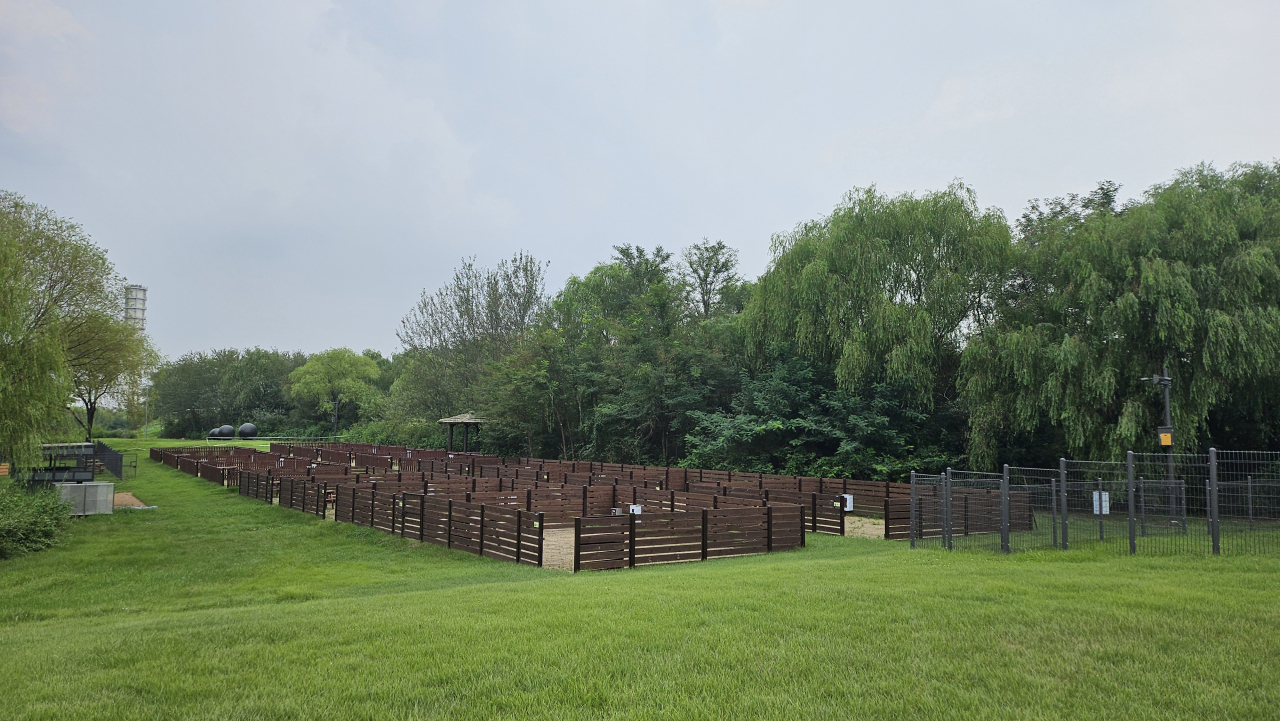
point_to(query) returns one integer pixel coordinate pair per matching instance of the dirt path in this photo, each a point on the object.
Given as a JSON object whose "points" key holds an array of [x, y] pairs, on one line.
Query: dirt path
{"points": [[557, 549]]}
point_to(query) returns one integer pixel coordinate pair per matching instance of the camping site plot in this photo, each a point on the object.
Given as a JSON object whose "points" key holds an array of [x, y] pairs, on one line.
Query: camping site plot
{"points": [[218, 605]]}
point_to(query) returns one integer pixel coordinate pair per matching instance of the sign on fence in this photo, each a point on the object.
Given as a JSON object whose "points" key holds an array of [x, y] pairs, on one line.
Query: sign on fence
{"points": [[1106, 503]]}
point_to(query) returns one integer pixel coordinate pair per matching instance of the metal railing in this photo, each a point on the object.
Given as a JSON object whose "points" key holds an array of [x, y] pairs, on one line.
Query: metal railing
{"points": [[1212, 503]]}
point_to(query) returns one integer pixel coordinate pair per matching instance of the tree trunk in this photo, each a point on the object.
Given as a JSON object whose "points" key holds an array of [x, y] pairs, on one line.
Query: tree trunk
{"points": [[90, 409]]}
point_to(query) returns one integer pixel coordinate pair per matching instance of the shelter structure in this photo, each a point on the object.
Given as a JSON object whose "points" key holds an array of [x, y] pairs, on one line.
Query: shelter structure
{"points": [[466, 420]]}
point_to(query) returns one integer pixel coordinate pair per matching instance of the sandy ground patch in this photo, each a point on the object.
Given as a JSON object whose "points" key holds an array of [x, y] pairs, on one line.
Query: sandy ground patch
{"points": [[127, 500], [859, 527], [557, 548]]}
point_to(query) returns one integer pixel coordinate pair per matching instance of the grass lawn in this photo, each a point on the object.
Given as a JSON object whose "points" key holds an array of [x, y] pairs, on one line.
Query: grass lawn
{"points": [[219, 606]]}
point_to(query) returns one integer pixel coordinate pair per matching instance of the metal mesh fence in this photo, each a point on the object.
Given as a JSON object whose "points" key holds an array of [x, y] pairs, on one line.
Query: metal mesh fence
{"points": [[1248, 501], [1219, 502], [1035, 508]]}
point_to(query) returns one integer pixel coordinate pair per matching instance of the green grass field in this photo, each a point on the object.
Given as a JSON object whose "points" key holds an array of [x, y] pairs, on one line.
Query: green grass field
{"points": [[219, 606]]}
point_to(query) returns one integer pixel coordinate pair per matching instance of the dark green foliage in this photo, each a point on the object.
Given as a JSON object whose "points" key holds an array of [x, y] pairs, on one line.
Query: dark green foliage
{"points": [[1101, 296], [30, 520], [618, 361], [885, 289], [793, 419], [201, 390]]}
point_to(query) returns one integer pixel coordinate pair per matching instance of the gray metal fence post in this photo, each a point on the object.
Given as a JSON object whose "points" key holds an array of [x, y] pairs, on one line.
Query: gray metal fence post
{"points": [[1248, 481], [946, 502], [1133, 520], [912, 533], [1102, 531], [1053, 509], [1062, 481], [1213, 501], [1004, 509], [1142, 506], [1182, 494]]}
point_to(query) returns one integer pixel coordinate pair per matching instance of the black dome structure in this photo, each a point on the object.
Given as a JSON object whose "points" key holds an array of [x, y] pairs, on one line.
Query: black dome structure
{"points": [[248, 430]]}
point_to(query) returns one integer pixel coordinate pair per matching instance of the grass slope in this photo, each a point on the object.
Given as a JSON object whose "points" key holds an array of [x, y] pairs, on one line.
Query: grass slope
{"points": [[218, 606]]}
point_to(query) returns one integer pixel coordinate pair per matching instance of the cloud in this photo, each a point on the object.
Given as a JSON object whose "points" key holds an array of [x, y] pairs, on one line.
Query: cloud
{"points": [[36, 37]]}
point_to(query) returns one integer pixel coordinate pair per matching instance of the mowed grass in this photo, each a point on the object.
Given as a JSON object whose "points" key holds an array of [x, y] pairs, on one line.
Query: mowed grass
{"points": [[219, 606]]}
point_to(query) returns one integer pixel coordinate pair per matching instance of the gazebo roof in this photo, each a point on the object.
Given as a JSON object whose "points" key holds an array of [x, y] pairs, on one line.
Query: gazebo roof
{"points": [[463, 418]]}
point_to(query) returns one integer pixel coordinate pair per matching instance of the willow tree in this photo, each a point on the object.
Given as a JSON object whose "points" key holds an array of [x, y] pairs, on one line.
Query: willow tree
{"points": [[1188, 277], [32, 371], [885, 289]]}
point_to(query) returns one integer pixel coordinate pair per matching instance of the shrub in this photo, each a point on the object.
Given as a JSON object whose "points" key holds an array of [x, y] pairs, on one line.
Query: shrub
{"points": [[30, 519]]}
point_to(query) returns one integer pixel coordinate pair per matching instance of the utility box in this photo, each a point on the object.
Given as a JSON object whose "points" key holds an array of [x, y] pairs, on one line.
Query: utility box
{"points": [[847, 499], [630, 510], [88, 499]]}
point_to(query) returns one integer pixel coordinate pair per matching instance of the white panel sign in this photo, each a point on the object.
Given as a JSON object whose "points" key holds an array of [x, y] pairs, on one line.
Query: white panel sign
{"points": [[1106, 503]]}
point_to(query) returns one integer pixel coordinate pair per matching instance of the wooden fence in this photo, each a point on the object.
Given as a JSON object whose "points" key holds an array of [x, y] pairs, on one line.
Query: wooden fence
{"points": [[604, 542], [973, 511]]}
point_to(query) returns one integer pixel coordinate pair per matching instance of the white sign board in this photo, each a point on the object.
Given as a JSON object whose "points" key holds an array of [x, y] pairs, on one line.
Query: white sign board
{"points": [[1106, 503]]}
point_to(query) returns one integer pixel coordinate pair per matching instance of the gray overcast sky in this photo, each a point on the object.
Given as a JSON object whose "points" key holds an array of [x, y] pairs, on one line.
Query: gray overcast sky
{"points": [[293, 174]]}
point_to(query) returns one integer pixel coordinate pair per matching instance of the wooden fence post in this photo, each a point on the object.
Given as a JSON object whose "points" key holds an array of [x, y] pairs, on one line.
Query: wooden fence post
{"points": [[519, 533], [482, 527], [542, 525], [768, 525], [631, 540], [448, 533], [577, 544], [584, 500], [422, 513], [704, 534]]}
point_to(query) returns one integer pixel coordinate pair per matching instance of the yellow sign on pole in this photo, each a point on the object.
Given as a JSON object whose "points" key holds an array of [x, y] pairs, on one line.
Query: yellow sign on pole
{"points": [[1166, 439]]}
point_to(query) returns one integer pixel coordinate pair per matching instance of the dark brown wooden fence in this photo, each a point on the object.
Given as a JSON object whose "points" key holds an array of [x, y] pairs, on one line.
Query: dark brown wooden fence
{"points": [[625, 541], [501, 532]]}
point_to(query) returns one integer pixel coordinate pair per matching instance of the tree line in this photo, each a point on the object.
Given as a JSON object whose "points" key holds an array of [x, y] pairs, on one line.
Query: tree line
{"points": [[897, 332]]}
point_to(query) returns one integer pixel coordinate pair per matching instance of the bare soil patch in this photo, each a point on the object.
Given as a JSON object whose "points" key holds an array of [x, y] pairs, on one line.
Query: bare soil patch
{"points": [[860, 527], [127, 500], [557, 548]]}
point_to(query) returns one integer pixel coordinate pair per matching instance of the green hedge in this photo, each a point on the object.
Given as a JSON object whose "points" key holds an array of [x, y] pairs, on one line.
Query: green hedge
{"points": [[30, 520]]}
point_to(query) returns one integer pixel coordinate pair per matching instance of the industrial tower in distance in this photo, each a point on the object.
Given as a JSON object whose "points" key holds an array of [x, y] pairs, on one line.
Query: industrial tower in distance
{"points": [[135, 306]]}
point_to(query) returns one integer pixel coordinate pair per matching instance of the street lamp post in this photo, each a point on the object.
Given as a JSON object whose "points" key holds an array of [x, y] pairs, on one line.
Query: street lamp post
{"points": [[1166, 431]]}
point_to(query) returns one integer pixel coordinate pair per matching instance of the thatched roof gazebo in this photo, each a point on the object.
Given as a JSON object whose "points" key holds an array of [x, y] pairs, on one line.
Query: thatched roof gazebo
{"points": [[466, 420]]}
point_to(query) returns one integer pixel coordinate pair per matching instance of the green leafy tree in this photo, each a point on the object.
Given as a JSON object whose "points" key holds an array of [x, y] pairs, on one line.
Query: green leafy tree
{"points": [[333, 378], [450, 336], [791, 418], [202, 389], [61, 290], [885, 289], [1100, 296], [111, 357], [711, 272], [32, 372], [617, 363]]}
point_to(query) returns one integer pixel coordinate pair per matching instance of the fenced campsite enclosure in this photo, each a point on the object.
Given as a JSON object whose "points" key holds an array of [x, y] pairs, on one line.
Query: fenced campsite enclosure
{"points": [[621, 515], [1212, 503], [624, 515]]}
